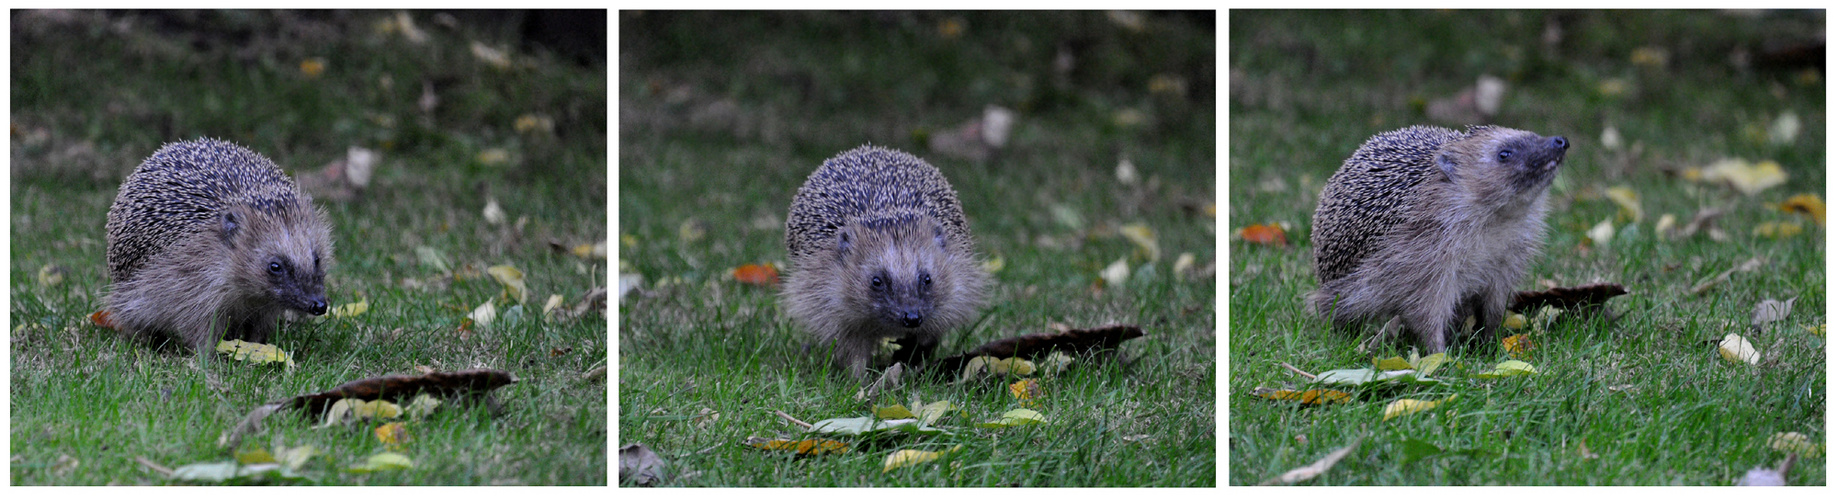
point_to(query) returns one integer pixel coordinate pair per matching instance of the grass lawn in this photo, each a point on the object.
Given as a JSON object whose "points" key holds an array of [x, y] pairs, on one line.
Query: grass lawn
{"points": [[94, 93], [1642, 398], [718, 132]]}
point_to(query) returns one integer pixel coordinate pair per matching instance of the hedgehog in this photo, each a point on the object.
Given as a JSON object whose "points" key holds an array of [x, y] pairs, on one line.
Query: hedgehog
{"points": [[209, 240], [880, 250], [1425, 226]]}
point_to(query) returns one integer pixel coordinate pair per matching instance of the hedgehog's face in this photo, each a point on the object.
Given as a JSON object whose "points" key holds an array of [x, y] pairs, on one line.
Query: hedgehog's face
{"points": [[1526, 161], [285, 257], [896, 266]]}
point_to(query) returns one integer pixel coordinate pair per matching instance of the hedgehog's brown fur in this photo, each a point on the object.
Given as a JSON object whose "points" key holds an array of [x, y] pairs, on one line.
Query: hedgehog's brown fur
{"points": [[207, 239], [1430, 225], [880, 250]]}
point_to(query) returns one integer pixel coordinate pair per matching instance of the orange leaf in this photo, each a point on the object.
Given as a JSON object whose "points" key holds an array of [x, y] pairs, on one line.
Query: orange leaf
{"points": [[1517, 343], [1265, 234], [755, 274], [1309, 397]]}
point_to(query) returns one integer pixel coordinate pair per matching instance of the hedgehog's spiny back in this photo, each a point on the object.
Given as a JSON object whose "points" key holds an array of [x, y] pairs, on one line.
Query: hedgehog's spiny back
{"points": [[869, 181], [1370, 194], [184, 188]]}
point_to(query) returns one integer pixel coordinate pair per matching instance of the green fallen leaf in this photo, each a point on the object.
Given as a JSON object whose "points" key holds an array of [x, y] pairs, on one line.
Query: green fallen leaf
{"points": [[1015, 417], [1512, 368]]}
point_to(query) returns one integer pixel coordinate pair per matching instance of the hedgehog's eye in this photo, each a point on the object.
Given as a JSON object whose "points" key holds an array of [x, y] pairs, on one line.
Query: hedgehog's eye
{"points": [[274, 267], [1506, 154], [876, 282], [925, 279]]}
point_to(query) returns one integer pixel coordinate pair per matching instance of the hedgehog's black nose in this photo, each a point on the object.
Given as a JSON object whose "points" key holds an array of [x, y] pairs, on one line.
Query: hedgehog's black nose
{"points": [[1560, 142], [316, 307], [911, 319]]}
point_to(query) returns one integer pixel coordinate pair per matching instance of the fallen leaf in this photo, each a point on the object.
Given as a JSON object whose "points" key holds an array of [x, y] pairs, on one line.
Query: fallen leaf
{"points": [[1263, 234], [803, 447], [1015, 417], [1517, 343], [1602, 232], [312, 67], [1313, 470], [493, 212], [1628, 200], [1770, 310], [1025, 390], [100, 318], [1777, 229], [641, 466], [1308, 397], [350, 309], [490, 55], [385, 461], [1794, 442], [1746, 177], [756, 274], [1738, 350], [1808, 204], [1116, 273], [393, 433], [1404, 407], [512, 279], [1512, 368], [1144, 238], [484, 314], [241, 350], [908, 458]]}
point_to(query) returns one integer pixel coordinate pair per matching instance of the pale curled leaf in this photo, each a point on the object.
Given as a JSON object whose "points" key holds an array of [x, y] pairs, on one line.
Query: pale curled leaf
{"points": [[908, 458], [1313, 470], [512, 279], [1770, 310], [1736, 349]]}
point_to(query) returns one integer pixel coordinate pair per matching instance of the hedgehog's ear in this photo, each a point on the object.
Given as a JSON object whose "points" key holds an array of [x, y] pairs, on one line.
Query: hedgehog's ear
{"points": [[843, 241], [938, 234], [230, 225], [1446, 162]]}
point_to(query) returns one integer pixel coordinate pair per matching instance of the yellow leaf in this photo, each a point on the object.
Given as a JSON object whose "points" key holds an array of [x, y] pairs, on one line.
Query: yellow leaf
{"points": [[241, 350], [1143, 237], [1019, 416], [1408, 406], [312, 67], [554, 302], [1025, 390], [1749, 178], [1012, 366], [393, 433], [350, 309], [494, 156], [1517, 343], [1391, 363], [1780, 229], [1514, 322], [1794, 442], [1664, 226], [893, 412], [1511, 368], [993, 265], [254, 457], [1738, 350], [1308, 397], [807, 447], [932, 412], [1808, 204], [385, 461], [908, 458], [1628, 200], [512, 280], [1428, 364]]}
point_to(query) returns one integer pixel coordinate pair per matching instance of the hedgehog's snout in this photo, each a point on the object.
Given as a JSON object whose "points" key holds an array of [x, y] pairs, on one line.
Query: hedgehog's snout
{"points": [[1560, 143], [911, 318], [316, 306]]}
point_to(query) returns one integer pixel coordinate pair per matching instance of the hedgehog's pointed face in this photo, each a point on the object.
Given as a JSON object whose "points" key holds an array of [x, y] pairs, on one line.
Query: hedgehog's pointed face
{"points": [[896, 264], [285, 254], [1526, 161]]}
